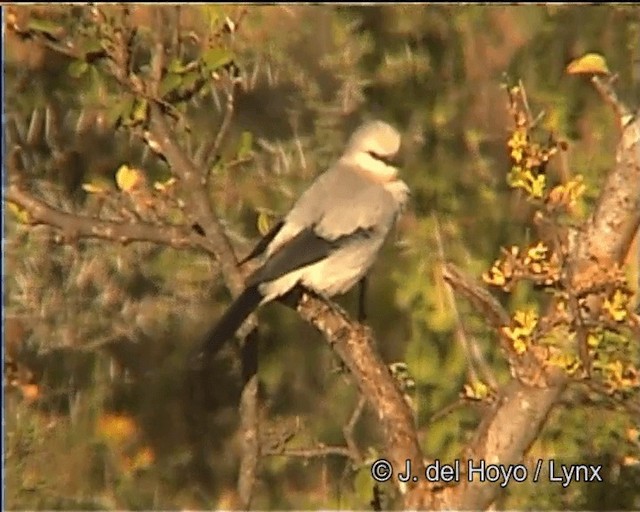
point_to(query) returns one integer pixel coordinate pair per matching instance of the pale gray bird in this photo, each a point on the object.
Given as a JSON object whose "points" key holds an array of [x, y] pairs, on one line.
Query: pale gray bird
{"points": [[333, 233]]}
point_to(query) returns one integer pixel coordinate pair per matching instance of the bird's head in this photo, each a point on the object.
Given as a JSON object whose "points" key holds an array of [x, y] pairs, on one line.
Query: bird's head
{"points": [[375, 149]]}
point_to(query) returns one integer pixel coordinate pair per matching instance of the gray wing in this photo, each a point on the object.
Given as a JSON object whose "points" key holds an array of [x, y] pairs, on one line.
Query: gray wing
{"points": [[340, 202], [304, 249]]}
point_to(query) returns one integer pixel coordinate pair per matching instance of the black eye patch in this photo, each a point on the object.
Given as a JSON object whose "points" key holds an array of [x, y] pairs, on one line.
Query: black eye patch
{"points": [[389, 160]]}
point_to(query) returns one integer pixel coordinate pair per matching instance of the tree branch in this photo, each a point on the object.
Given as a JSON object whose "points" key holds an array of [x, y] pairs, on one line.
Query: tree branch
{"points": [[192, 185], [78, 226]]}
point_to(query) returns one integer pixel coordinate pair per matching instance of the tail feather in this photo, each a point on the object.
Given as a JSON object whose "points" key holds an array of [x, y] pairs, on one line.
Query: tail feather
{"points": [[230, 322]]}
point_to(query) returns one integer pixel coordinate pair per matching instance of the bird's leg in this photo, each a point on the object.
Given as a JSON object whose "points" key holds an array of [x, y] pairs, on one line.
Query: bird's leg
{"points": [[292, 297], [362, 291]]}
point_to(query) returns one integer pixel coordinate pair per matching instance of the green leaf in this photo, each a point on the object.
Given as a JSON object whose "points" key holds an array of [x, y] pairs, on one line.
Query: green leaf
{"points": [[119, 110], [190, 79], [78, 68], [140, 111], [96, 87], [215, 58], [46, 26], [246, 143], [92, 46], [170, 83], [176, 66]]}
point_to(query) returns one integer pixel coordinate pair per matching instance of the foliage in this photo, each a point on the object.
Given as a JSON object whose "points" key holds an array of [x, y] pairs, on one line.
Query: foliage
{"points": [[304, 76]]}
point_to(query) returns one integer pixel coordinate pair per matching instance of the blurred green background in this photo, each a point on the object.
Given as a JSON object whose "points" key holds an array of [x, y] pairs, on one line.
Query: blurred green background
{"points": [[97, 416]]}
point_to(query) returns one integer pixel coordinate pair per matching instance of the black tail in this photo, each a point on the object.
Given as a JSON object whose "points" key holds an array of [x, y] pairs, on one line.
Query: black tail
{"points": [[230, 322]]}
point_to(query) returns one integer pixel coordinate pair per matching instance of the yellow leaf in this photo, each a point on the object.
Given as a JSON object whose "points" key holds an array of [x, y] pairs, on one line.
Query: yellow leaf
{"points": [[616, 306], [264, 223], [478, 390], [591, 63], [567, 362], [527, 319], [516, 155], [538, 252], [537, 186], [19, 212], [128, 178], [520, 346], [593, 340], [495, 276]]}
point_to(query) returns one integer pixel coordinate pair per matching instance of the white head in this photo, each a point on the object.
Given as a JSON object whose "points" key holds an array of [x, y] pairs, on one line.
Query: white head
{"points": [[373, 149]]}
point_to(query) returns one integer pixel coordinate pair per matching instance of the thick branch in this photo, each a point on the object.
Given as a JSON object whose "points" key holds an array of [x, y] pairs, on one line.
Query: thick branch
{"points": [[615, 220], [355, 346], [505, 435]]}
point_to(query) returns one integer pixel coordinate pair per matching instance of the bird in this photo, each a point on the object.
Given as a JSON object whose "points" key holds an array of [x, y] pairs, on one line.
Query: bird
{"points": [[331, 236]]}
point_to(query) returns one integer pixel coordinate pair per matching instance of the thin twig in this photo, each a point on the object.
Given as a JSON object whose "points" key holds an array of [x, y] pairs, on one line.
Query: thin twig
{"points": [[446, 410], [460, 333], [308, 453], [157, 62], [212, 149], [525, 102], [605, 88], [55, 46], [348, 429]]}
